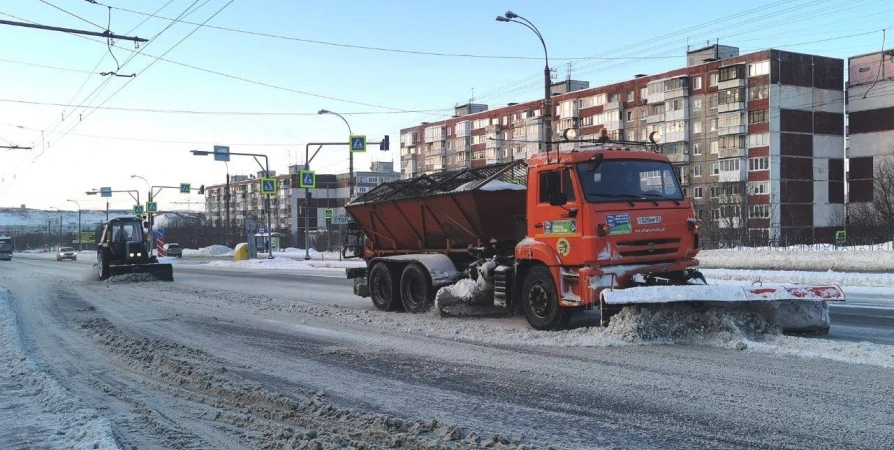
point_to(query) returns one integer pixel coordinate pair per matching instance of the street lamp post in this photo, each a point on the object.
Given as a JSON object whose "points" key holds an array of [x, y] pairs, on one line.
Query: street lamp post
{"points": [[351, 152], [60, 225], [547, 83], [266, 169], [80, 241], [148, 214]]}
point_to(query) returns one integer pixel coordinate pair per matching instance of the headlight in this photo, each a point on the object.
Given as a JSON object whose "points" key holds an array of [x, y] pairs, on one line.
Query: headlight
{"points": [[131, 255], [139, 254]]}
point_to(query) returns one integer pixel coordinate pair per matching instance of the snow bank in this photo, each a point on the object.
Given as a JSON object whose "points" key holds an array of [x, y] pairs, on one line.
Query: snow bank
{"points": [[802, 277], [816, 258], [214, 250], [279, 263], [35, 407]]}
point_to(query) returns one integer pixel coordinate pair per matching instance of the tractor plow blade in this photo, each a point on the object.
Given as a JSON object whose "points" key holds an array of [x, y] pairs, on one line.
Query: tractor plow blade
{"points": [[725, 293], [160, 272]]}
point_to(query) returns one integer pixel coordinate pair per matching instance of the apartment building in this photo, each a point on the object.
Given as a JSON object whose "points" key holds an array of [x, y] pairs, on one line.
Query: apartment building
{"points": [[870, 110], [289, 205], [766, 128]]}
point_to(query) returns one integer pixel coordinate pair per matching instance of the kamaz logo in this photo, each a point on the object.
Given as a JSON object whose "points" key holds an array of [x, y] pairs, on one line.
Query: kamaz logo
{"points": [[651, 247], [648, 220]]}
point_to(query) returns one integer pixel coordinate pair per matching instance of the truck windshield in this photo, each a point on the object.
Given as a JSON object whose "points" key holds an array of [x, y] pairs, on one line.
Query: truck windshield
{"points": [[629, 180]]}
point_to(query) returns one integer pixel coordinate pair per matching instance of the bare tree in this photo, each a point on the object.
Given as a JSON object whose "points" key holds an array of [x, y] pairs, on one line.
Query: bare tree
{"points": [[877, 216]]}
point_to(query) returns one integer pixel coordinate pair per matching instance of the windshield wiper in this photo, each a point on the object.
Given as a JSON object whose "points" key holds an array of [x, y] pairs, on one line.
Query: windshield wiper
{"points": [[627, 196], [661, 197]]}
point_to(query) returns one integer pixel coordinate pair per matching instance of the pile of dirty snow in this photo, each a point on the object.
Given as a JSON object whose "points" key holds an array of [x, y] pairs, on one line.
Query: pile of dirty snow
{"points": [[684, 323], [37, 411], [214, 250]]}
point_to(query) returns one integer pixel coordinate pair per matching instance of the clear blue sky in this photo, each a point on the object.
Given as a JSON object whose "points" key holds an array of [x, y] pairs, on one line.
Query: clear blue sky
{"points": [[653, 32]]}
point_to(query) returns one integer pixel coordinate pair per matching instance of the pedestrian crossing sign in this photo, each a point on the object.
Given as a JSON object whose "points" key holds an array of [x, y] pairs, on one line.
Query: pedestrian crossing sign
{"points": [[268, 186], [308, 179], [185, 188], [358, 143], [152, 207], [327, 213], [138, 210]]}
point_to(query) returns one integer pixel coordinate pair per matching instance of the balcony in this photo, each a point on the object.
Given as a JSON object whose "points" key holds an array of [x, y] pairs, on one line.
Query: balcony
{"points": [[734, 175], [611, 106], [732, 153], [730, 107], [676, 136], [532, 120], [680, 114], [734, 83], [614, 125], [493, 143], [678, 158], [655, 118], [733, 129]]}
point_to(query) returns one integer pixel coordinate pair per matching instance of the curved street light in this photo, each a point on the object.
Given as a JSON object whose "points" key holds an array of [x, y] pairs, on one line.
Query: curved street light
{"points": [[80, 241], [547, 83]]}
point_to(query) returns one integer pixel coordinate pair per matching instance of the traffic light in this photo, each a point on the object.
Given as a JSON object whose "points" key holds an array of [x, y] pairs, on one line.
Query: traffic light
{"points": [[385, 145], [202, 190]]}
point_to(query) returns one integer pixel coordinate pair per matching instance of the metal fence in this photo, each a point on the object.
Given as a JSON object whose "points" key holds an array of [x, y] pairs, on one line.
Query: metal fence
{"points": [[856, 243]]}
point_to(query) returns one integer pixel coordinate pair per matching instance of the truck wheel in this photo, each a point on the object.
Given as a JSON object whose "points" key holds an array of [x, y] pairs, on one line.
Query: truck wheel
{"points": [[416, 293], [383, 288], [541, 302]]}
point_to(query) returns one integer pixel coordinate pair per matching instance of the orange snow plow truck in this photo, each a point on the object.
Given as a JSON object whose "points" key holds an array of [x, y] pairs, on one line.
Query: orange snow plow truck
{"points": [[605, 226]]}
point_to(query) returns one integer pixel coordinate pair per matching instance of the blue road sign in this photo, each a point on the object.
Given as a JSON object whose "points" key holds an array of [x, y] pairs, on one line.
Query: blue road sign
{"points": [[268, 186], [221, 153], [358, 143], [308, 179], [328, 213], [159, 233], [152, 207], [185, 188], [105, 192]]}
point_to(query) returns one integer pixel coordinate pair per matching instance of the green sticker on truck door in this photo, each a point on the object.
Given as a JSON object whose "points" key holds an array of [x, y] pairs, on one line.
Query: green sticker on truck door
{"points": [[560, 227], [618, 223]]}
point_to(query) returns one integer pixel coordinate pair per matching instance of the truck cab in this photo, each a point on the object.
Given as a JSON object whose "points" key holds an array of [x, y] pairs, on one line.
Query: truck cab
{"points": [[600, 218]]}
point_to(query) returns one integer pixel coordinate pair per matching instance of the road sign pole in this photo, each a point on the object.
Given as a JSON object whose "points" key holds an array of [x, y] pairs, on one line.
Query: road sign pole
{"points": [[306, 216]]}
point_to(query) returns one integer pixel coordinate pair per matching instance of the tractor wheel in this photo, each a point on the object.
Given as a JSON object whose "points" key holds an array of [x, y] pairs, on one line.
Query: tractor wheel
{"points": [[383, 288], [540, 300], [416, 293], [103, 268]]}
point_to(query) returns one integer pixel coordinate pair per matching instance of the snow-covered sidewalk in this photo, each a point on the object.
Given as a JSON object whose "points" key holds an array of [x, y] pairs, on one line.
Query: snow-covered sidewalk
{"points": [[881, 280], [329, 267], [37, 411], [854, 259]]}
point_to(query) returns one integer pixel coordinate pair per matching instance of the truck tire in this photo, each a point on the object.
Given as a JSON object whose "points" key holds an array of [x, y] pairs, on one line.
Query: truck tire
{"points": [[540, 301], [383, 287], [416, 292], [103, 268]]}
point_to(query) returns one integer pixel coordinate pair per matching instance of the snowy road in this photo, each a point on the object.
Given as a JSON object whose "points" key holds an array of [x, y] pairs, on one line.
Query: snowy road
{"points": [[232, 359]]}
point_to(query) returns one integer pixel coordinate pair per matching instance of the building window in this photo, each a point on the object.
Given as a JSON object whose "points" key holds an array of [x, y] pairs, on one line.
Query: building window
{"points": [[697, 192], [629, 116], [733, 142], [728, 73], [696, 83], [713, 80], [757, 69], [697, 171], [712, 101], [630, 96], [759, 187], [586, 121], [759, 212], [615, 98], [713, 123], [715, 146], [697, 127], [697, 103], [715, 169], [696, 148], [757, 116], [644, 92], [733, 95], [757, 164], [758, 92], [643, 113], [729, 165], [759, 140]]}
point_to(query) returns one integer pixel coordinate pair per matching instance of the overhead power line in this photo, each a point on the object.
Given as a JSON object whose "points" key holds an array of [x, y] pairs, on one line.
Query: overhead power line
{"points": [[105, 34], [367, 47], [73, 15], [199, 112]]}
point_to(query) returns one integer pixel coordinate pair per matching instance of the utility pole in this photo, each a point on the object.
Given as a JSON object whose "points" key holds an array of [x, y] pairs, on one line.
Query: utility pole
{"points": [[227, 200]]}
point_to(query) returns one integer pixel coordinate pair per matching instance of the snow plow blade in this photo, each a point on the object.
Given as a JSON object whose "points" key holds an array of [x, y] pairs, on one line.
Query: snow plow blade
{"points": [[708, 293], [160, 272]]}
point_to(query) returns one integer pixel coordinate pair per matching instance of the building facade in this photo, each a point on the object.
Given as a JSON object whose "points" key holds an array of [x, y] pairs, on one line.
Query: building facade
{"points": [[870, 110], [757, 139], [288, 206]]}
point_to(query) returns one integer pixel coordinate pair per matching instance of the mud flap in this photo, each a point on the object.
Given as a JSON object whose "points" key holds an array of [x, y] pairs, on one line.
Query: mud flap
{"points": [[449, 305]]}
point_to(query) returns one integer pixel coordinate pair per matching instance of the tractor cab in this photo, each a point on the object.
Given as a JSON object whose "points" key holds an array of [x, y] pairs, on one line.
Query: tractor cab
{"points": [[124, 239]]}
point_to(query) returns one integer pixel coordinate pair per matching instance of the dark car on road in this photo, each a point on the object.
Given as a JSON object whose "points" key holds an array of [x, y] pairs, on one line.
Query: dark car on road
{"points": [[173, 249]]}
